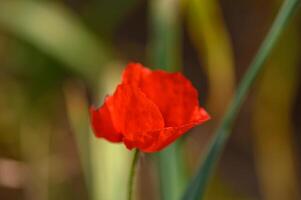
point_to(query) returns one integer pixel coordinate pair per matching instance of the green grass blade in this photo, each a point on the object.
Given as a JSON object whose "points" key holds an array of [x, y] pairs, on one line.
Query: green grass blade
{"points": [[197, 187], [164, 52], [164, 34]]}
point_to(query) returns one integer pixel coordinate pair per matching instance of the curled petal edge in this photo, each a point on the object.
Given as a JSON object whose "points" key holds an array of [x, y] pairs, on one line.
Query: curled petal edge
{"points": [[163, 137]]}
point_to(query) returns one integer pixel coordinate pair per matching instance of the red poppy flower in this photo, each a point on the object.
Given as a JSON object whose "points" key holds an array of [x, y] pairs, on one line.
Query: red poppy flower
{"points": [[149, 109]]}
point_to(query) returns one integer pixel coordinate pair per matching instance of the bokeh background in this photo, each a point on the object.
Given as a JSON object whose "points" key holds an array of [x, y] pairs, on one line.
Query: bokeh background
{"points": [[59, 57]]}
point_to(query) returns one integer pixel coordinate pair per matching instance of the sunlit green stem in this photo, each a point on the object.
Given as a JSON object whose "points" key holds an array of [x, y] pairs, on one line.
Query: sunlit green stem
{"points": [[132, 175], [197, 187]]}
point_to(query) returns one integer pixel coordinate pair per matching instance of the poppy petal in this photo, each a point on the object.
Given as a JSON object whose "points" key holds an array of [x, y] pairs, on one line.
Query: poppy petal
{"points": [[173, 94], [134, 115], [167, 136], [141, 142], [200, 115], [102, 124], [134, 73], [170, 134]]}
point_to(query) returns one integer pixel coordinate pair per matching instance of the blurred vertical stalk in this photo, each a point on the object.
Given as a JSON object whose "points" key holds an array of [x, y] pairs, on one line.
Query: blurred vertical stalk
{"points": [[212, 42], [165, 54], [105, 164], [198, 185], [210, 37], [100, 160], [164, 34], [55, 30], [77, 111], [272, 120], [110, 163]]}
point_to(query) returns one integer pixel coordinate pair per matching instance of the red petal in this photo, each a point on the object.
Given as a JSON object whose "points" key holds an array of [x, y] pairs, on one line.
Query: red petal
{"points": [[166, 137], [170, 134], [134, 73], [102, 124], [175, 96], [134, 115], [200, 115]]}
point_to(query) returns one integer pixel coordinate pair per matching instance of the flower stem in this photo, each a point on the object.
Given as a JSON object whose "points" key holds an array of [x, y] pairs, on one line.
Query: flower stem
{"points": [[197, 187], [132, 175]]}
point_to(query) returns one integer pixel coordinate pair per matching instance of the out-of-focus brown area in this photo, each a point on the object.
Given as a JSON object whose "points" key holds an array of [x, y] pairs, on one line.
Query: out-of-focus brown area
{"points": [[57, 58]]}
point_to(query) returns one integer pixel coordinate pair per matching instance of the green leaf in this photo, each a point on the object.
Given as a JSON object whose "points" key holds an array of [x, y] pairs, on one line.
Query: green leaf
{"points": [[56, 31]]}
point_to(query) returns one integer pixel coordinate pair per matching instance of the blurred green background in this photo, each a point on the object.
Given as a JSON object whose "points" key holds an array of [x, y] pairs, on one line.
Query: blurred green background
{"points": [[58, 57]]}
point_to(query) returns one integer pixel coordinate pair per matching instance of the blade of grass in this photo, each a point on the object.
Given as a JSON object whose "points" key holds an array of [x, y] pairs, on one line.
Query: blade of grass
{"points": [[106, 158], [211, 39], [165, 46], [77, 111], [164, 34], [196, 189]]}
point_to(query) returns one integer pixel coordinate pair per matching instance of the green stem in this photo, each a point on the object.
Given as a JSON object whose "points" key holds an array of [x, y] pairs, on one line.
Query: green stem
{"points": [[132, 175], [197, 187]]}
